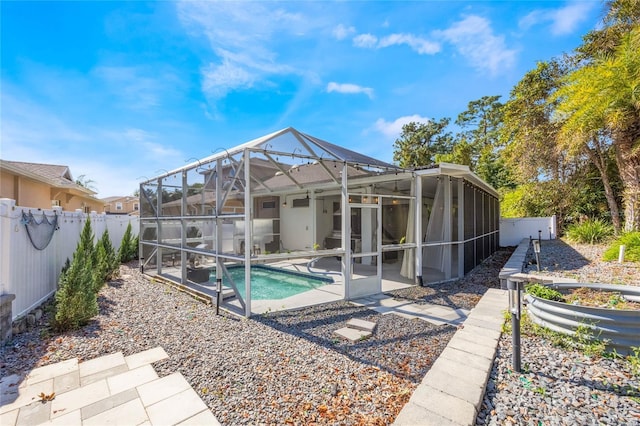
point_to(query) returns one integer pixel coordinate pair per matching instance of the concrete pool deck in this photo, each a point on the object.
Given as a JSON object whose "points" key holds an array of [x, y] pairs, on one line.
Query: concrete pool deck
{"points": [[325, 294]]}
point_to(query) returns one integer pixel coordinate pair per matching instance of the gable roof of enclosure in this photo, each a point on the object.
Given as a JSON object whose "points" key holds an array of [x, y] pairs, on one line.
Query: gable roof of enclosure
{"points": [[291, 143]]}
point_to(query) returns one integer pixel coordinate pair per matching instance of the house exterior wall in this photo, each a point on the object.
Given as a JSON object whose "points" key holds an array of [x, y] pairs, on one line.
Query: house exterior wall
{"points": [[32, 193], [73, 202], [26, 192], [129, 205]]}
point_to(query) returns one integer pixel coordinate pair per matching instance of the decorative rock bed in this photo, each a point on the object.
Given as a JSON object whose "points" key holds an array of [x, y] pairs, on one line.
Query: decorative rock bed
{"points": [[619, 329]]}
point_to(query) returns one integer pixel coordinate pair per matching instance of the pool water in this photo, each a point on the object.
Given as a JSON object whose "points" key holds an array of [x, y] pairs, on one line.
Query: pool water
{"points": [[269, 283]]}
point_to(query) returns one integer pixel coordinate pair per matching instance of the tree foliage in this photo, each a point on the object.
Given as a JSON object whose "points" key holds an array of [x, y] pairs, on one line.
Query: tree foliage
{"points": [[419, 143], [600, 104], [529, 131], [85, 182]]}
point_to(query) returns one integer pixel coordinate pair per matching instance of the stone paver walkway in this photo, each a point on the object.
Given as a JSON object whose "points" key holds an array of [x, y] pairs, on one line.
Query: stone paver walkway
{"points": [[452, 390], [435, 314], [112, 389]]}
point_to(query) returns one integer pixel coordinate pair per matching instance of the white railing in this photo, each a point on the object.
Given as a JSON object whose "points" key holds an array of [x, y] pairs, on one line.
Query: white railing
{"points": [[31, 274]]}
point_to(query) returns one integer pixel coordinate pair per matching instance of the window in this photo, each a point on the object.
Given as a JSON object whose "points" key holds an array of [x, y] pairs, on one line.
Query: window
{"points": [[269, 204], [136, 206], [118, 206], [55, 203], [301, 202]]}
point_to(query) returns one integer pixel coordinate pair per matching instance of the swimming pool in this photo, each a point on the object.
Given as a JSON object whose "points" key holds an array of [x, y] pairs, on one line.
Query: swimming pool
{"points": [[269, 283]]}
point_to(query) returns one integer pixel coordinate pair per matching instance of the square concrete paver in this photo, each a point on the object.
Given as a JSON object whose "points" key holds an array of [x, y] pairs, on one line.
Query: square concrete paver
{"points": [[448, 406], [359, 324], [49, 371], [25, 395], [129, 413], [202, 418], [102, 363], [78, 398], [66, 382], [413, 415], [163, 388], [352, 334], [10, 417], [145, 357], [108, 403], [131, 379], [34, 413], [176, 408]]}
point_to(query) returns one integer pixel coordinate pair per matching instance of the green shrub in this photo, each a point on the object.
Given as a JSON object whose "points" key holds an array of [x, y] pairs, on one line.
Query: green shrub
{"points": [[631, 241], [75, 300], [128, 247], [109, 262], [589, 232], [544, 292]]}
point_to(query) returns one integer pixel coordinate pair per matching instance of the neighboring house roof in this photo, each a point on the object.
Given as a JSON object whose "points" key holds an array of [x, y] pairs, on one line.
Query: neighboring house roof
{"points": [[54, 175], [124, 198]]}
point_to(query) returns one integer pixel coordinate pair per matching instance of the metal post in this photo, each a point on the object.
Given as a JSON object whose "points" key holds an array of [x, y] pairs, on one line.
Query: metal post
{"points": [[515, 290], [218, 294], [536, 250]]}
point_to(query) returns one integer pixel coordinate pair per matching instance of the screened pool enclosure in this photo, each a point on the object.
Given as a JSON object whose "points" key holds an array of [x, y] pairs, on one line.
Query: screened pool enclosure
{"points": [[339, 224]]}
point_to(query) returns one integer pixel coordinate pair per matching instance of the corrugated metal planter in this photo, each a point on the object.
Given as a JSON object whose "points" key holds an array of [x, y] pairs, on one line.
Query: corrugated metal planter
{"points": [[620, 329]]}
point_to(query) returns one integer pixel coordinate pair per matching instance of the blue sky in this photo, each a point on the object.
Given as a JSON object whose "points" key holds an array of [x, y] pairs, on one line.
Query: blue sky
{"points": [[123, 91]]}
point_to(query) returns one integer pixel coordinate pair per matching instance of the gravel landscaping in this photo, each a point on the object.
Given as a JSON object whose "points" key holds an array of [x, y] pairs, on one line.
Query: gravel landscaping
{"points": [[560, 386], [289, 367], [277, 368]]}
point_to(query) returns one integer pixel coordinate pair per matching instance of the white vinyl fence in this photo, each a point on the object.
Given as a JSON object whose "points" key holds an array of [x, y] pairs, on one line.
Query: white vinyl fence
{"points": [[512, 231], [32, 274]]}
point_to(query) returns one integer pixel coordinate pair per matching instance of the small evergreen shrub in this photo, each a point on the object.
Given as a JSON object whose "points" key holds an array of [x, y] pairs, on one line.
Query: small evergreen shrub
{"points": [[544, 292], [75, 300], [100, 267], [135, 245], [591, 231], [108, 260], [631, 241], [128, 247]]}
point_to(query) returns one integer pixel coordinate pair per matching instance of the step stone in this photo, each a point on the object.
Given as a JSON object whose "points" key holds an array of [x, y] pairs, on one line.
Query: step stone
{"points": [[352, 334], [363, 325]]}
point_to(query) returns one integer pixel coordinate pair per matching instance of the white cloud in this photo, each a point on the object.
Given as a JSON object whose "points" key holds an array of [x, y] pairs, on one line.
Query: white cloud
{"points": [[367, 41], [474, 39], [241, 36], [341, 32], [218, 79], [349, 89], [393, 129], [562, 21], [419, 44]]}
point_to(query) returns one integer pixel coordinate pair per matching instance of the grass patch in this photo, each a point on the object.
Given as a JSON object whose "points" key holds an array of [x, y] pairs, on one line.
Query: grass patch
{"points": [[544, 292], [631, 241], [591, 231]]}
